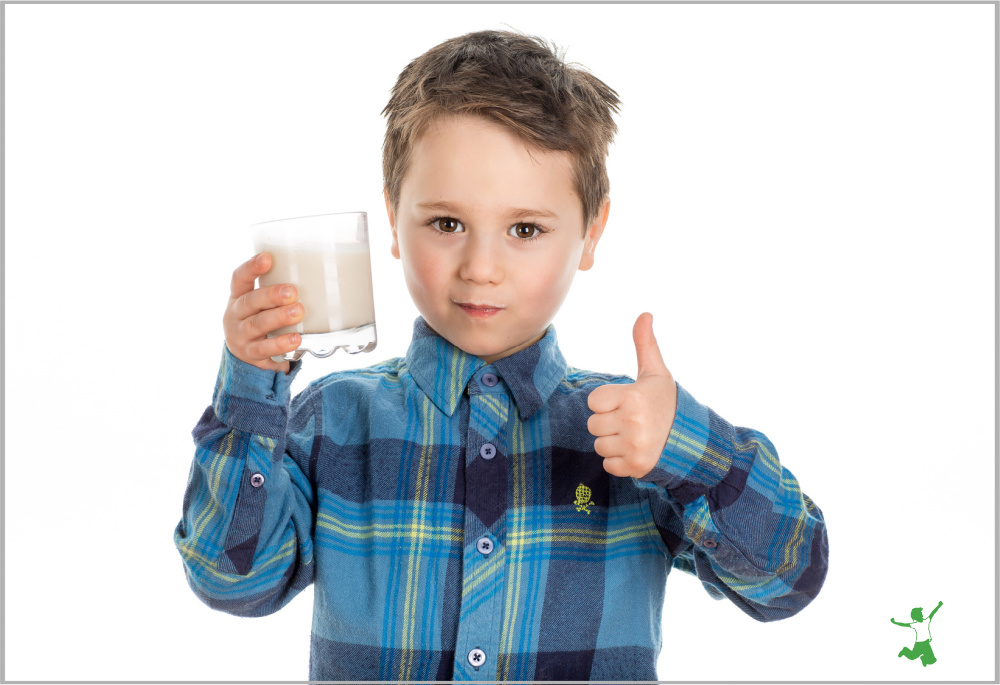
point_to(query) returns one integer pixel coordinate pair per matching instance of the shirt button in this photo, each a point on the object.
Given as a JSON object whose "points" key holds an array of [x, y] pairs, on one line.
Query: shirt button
{"points": [[488, 451], [257, 480], [477, 657], [489, 380], [484, 545], [711, 544]]}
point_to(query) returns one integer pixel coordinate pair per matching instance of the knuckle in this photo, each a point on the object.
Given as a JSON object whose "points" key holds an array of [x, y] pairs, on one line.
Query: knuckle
{"points": [[270, 347], [261, 350], [249, 328], [615, 467], [252, 352], [242, 303], [640, 439]]}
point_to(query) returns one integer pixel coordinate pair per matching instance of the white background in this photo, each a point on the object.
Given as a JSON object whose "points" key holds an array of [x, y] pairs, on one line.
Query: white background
{"points": [[802, 195]]}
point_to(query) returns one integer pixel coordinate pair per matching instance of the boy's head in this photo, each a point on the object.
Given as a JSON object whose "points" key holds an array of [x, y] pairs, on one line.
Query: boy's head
{"points": [[917, 614], [516, 81], [496, 188]]}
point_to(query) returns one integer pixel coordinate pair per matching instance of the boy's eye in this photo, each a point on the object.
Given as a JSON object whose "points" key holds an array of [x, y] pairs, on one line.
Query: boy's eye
{"points": [[447, 225], [524, 230]]}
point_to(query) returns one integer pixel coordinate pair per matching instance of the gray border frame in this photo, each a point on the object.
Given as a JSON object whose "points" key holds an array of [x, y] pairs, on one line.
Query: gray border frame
{"points": [[996, 293]]}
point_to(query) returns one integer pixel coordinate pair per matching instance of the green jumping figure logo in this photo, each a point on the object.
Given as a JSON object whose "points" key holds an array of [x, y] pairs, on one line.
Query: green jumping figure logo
{"points": [[922, 645]]}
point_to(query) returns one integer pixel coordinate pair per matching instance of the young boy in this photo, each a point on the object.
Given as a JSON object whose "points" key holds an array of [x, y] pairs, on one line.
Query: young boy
{"points": [[477, 509]]}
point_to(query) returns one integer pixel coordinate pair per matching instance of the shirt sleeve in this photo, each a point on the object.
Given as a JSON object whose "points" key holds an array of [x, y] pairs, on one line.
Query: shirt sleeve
{"points": [[731, 514], [245, 536]]}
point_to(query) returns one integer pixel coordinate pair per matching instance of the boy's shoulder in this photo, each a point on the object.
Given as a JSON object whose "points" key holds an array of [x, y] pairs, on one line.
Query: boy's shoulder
{"points": [[385, 373], [585, 379]]}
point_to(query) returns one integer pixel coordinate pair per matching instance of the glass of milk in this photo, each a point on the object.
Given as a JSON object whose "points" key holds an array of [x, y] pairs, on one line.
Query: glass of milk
{"points": [[326, 258]]}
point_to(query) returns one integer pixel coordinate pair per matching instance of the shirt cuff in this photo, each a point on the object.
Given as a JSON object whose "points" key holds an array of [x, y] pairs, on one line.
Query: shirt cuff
{"points": [[688, 466], [253, 400]]}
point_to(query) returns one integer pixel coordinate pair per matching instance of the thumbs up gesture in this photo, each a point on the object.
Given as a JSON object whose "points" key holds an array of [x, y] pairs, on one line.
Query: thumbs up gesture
{"points": [[631, 422]]}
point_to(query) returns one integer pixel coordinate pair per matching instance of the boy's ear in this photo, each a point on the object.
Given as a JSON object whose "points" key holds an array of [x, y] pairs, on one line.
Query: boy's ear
{"points": [[594, 232], [392, 224]]}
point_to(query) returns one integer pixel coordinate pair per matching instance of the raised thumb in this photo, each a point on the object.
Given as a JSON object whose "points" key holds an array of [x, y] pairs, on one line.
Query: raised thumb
{"points": [[647, 352]]}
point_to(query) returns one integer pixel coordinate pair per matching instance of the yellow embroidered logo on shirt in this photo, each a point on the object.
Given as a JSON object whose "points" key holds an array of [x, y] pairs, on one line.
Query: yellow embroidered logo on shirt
{"points": [[582, 498]]}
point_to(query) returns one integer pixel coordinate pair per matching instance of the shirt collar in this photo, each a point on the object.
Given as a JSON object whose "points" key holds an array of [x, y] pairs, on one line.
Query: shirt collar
{"points": [[442, 371]]}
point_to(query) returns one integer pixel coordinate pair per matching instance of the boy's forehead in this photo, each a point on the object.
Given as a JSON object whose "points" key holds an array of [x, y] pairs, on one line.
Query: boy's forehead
{"points": [[471, 130], [470, 154]]}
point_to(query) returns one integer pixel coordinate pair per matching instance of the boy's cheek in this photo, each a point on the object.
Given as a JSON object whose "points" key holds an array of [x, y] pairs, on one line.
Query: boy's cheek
{"points": [[423, 273]]}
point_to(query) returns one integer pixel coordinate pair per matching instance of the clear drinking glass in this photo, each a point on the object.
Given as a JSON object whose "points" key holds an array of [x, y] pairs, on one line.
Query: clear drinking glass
{"points": [[326, 257]]}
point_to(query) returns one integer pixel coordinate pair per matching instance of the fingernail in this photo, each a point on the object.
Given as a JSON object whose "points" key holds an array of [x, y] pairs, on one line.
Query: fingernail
{"points": [[286, 293], [257, 258]]}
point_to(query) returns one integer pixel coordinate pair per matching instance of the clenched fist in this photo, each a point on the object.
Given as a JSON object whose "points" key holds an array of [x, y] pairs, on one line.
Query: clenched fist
{"points": [[631, 423]]}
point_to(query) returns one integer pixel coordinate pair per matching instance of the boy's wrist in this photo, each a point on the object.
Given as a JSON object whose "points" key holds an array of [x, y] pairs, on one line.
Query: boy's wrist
{"points": [[246, 395], [684, 456]]}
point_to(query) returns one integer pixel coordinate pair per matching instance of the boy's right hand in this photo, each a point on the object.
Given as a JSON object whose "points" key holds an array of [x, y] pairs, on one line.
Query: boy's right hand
{"points": [[252, 313]]}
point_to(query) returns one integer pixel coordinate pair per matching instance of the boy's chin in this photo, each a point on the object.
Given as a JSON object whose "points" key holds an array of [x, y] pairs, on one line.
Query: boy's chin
{"points": [[484, 344], [491, 351], [475, 347], [481, 346]]}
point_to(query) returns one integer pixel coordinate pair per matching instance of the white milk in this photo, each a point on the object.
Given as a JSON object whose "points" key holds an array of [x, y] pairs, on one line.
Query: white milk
{"points": [[335, 287]]}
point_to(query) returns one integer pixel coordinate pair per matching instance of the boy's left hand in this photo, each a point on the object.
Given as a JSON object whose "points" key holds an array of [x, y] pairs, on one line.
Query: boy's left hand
{"points": [[632, 422]]}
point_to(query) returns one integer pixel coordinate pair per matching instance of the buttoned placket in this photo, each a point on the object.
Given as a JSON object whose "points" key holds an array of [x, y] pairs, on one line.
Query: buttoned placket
{"points": [[483, 569]]}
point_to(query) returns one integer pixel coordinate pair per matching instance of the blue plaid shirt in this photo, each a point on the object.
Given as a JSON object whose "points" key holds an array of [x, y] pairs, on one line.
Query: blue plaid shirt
{"points": [[458, 524]]}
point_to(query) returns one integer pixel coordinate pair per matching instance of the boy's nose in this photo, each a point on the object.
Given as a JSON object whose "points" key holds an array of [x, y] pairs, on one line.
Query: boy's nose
{"points": [[481, 262]]}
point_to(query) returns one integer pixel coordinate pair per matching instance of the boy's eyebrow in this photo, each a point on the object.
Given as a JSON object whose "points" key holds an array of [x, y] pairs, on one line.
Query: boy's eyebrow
{"points": [[512, 213]]}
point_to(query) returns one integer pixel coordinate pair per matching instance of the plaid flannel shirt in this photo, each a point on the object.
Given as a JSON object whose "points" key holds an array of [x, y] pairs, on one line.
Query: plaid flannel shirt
{"points": [[458, 524]]}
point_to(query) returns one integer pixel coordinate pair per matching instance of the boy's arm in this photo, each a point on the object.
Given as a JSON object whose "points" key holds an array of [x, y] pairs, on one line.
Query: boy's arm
{"points": [[727, 509], [905, 625], [737, 516], [934, 610], [245, 536]]}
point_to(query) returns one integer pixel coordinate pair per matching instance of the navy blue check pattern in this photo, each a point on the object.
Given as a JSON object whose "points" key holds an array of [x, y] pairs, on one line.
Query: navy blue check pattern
{"points": [[457, 524]]}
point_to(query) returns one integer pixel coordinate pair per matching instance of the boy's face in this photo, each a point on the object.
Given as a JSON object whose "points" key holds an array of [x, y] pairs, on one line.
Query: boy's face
{"points": [[490, 235]]}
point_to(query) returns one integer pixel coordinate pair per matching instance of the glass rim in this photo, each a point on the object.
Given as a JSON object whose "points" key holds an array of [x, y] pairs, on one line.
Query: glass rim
{"points": [[309, 216]]}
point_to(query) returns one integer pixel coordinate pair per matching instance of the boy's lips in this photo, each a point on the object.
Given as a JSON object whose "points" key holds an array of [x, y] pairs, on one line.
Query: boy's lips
{"points": [[480, 309]]}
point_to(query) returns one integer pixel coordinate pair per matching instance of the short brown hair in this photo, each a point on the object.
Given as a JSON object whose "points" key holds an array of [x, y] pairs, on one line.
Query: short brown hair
{"points": [[518, 81]]}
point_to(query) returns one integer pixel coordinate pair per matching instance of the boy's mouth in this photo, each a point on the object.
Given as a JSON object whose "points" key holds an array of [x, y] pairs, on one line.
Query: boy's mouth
{"points": [[480, 309]]}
